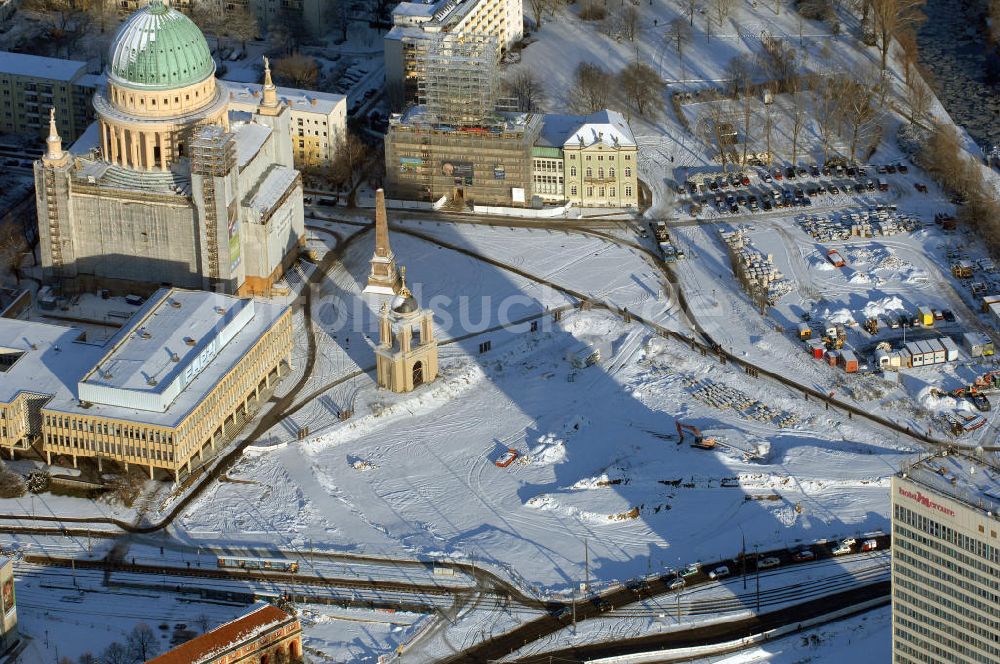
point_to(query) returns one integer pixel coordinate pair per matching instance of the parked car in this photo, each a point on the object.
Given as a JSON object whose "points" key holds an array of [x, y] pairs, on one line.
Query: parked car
{"points": [[562, 613], [601, 604], [777, 174], [842, 549], [767, 205], [691, 570], [814, 171], [766, 177], [948, 315], [921, 187], [890, 168], [803, 555], [677, 583], [869, 545], [719, 573], [770, 561], [834, 189], [848, 541], [902, 168], [790, 173]]}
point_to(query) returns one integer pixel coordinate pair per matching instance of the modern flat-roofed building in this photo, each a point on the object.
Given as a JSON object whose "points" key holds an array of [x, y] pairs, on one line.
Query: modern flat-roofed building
{"points": [[266, 635], [318, 119], [946, 561], [180, 378], [415, 25], [32, 84]]}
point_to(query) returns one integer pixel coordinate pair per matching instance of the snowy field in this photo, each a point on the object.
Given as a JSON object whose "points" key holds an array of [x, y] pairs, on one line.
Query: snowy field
{"points": [[599, 458]]}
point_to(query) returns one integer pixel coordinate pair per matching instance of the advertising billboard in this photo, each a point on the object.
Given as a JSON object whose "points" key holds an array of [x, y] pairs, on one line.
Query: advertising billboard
{"points": [[499, 172], [462, 171], [410, 163]]}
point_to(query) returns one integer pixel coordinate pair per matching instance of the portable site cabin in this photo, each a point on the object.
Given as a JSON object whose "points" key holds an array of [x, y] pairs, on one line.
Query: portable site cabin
{"points": [[950, 349], [849, 361], [905, 358], [926, 316], [882, 359], [805, 332], [977, 345], [916, 354], [937, 350], [987, 301], [832, 357], [816, 348], [995, 313]]}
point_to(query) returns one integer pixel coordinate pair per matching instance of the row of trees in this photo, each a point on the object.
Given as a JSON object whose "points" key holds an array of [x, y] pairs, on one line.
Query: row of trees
{"points": [[140, 645]]}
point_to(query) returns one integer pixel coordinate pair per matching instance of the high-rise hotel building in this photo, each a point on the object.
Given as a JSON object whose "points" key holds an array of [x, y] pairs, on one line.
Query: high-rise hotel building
{"points": [[946, 561]]}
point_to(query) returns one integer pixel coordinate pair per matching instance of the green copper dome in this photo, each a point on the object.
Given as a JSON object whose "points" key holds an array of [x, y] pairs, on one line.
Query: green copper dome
{"points": [[160, 48]]}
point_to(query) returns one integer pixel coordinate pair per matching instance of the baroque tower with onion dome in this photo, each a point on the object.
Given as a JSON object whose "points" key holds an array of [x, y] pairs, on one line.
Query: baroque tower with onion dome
{"points": [[169, 186]]}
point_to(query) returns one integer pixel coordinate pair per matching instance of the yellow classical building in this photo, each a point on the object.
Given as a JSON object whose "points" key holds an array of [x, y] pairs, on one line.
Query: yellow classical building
{"points": [[406, 356]]}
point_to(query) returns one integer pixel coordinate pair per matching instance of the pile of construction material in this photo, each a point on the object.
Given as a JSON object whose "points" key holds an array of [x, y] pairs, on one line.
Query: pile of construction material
{"points": [[755, 270], [877, 221], [724, 397]]}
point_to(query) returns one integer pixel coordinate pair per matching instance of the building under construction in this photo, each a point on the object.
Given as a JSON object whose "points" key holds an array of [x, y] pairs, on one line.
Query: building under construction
{"points": [[456, 143]]}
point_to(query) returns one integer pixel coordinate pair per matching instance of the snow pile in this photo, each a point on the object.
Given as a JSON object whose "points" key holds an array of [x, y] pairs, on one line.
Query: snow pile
{"points": [[820, 263], [841, 316], [936, 403], [549, 450], [883, 307], [860, 278]]}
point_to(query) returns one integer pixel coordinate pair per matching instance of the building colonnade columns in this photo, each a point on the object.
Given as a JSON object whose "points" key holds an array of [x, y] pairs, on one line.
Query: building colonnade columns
{"points": [[141, 150]]}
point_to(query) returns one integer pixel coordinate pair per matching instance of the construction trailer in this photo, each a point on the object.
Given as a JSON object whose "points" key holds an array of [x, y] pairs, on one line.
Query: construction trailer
{"points": [[950, 349], [987, 300], [805, 332], [849, 361], [994, 310], [977, 345], [926, 316]]}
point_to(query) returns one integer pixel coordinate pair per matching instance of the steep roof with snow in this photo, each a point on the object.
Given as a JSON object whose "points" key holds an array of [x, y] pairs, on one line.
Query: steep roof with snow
{"points": [[211, 645], [607, 127]]}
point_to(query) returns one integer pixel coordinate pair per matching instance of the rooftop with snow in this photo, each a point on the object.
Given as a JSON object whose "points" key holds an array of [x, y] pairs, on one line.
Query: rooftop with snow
{"points": [[960, 476]]}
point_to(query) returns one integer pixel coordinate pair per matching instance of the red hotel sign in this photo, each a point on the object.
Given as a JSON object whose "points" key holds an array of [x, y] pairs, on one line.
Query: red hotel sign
{"points": [[926, 501]]}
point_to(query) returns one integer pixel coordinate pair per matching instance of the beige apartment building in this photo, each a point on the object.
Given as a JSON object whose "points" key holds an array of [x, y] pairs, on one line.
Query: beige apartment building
{"points": [[946, 561], [318, 119], [182, 376], [31, 84], [416, 24], [589, 161]]}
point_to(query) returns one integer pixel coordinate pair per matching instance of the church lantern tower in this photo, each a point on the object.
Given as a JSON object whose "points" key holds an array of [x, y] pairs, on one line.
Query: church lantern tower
{"points": [[406, 356]]}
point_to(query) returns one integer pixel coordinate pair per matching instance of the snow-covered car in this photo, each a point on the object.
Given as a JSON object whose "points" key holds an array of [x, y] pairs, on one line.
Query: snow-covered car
{"points": [[848, 541], [677, 584], [770, 561], [691, 570], [842, 549], [719, 572]]}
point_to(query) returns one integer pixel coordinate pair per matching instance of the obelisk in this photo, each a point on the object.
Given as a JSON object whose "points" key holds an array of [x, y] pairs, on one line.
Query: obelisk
{"points": [[383, 278]]}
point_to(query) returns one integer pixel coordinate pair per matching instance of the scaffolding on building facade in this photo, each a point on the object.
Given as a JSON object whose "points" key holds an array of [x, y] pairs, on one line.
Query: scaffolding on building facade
{"points": [[460, 81], [213, 155]]}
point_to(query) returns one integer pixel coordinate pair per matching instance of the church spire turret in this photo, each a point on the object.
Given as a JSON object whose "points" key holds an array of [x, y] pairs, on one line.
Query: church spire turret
{"points": [[54, 151], [270, 91], [54, 141]]}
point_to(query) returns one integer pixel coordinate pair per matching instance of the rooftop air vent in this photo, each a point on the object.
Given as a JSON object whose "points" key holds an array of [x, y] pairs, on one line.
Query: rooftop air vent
{"points": [[144, 333], [174, 357], [175, 304], [220, 310], [151, 381], [189, 341], [106, 375]]}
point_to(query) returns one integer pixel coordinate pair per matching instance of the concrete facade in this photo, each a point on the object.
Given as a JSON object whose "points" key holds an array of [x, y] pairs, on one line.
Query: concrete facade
{"points": [[416, 23], [31, 84], [946, 561], [170, 190]]}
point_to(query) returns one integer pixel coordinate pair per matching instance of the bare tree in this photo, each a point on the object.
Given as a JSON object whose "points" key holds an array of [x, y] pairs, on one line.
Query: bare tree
{"points": [[591, 87], [203, 622], [722, 8], [296, 70], [768, 130], [13, 246], [779, 62], [918, 100], [284, 32], [798, 117], [859, 110], [679, 33], [116, 653], [738, 75], [691, 8], [717, 130], [67, 21], [525, 89], [642, 87], [892, 17], [538, 8], [826, 106], [629, 21], [142, 642], [350, 156], [241, 25], [87, 658]]}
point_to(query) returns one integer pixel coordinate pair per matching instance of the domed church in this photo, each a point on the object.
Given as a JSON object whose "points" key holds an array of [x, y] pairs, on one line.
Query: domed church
{"points": [[169, 187]]}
